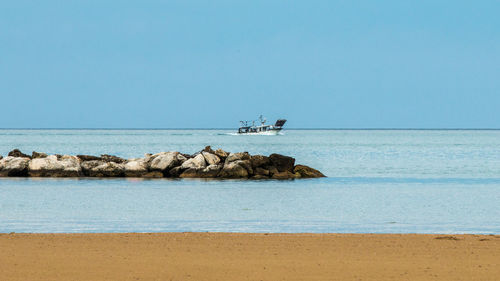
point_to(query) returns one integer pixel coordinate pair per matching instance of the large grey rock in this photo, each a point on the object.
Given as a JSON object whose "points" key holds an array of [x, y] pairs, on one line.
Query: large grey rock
{"points": [[14, 166], [237, 156], [247, 165], [165, 161], [208, 149], [234, 170], [88, 157], [175, 172], [210, 171], [221, 154], [307, 172], [35, 154], [136, 167], [109, 169], [103, 157], [272, 170], [196, 162], [17, 153], [259, 161], [99, 168], [260, 174], [53, 166], [261, 171], [191, 173], [281, 162], [211, 158], [112, 158], [285, 175], [87, 166]]}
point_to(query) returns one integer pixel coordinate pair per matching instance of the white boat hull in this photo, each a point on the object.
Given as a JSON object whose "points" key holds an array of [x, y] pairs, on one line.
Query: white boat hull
{"points": [[267, 133]]}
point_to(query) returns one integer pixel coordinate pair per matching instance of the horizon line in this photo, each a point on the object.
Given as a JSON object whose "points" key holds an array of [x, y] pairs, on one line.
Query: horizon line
{"points": [[298, 129]]}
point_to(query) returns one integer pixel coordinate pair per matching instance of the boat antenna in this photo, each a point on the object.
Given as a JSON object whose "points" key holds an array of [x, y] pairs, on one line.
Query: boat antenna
{"points": [[262, 120]]}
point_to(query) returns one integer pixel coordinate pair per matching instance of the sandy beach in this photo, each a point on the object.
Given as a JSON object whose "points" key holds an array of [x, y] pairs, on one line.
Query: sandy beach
{"points": [[230, 256]]}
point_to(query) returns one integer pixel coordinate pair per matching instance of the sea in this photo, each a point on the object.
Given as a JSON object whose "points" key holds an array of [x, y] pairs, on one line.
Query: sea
{"points": [[378, 181]]}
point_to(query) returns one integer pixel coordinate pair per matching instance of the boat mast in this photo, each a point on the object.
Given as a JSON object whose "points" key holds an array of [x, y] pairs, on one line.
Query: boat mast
{"points": [[262, 120]]}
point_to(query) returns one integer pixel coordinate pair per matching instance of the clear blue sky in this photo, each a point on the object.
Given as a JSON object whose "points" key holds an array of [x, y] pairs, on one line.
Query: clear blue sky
{"points": [[205, 64]]}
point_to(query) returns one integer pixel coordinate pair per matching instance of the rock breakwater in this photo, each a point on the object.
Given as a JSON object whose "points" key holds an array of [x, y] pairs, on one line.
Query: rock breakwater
{"points": [[204, 164]]}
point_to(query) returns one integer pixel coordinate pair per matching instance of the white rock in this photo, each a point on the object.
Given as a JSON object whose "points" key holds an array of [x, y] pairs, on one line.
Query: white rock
{"points": [[166, 160], [196, 162], [108, 169], [211, 159], [136, 167], [237, 156], [13, 166], [234, 169], [51, 166], [210, 171]]}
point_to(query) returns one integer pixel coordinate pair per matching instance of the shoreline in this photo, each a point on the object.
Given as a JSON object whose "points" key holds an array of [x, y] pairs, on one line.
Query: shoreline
{"points": [[248, 256]]}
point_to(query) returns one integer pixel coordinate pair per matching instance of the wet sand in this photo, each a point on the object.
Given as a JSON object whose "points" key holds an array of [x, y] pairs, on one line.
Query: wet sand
{"points": [[225, 256]]}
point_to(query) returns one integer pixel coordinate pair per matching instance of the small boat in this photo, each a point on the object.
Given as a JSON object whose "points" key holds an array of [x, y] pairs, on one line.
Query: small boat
{"points": [[262, 129]]}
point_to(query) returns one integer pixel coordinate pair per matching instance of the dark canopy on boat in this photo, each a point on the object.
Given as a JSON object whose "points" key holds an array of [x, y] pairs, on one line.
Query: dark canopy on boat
{"points": [[280, 123]]}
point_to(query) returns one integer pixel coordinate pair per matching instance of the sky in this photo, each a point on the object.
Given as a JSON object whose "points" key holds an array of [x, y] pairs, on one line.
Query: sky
{"points": [[209, 64]]}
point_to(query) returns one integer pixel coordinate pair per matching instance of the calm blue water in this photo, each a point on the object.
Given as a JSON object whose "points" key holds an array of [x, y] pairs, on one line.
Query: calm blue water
{"points": [[378, 182]]}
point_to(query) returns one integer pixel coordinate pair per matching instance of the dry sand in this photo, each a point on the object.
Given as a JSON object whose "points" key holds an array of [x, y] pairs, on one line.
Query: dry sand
{"points": [[224, 256]]}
